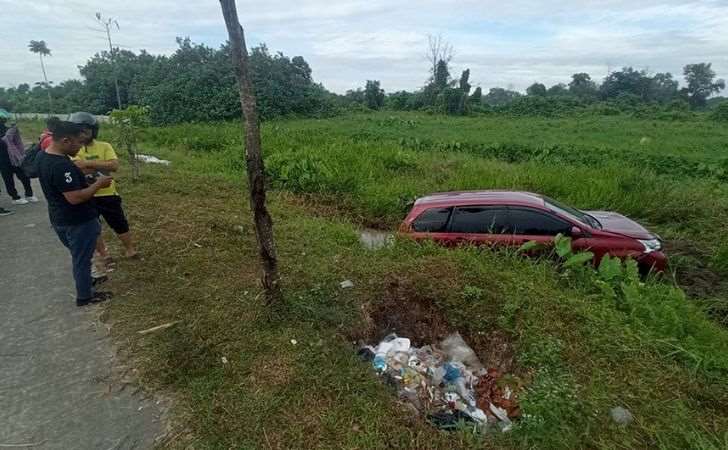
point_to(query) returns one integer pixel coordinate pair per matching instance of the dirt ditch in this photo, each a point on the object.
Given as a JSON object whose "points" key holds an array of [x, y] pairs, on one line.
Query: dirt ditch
{"points": [[439, 374], [697, 278], [408, 312]]}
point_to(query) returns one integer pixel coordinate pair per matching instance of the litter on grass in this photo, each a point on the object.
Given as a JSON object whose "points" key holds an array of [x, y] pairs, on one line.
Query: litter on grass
{"points": [[375, 239], [446, 383], [149, 159]]}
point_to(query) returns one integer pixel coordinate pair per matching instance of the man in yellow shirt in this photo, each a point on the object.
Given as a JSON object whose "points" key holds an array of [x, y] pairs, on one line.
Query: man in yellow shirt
{"points": [[98, 158]]}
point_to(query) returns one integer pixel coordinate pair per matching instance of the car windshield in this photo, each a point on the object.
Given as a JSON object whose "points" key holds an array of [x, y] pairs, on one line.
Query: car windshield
{"points": [[572, 213]]}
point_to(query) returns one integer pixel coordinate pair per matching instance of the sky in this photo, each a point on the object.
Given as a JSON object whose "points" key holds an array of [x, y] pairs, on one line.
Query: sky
{"points": [[508, 44]]}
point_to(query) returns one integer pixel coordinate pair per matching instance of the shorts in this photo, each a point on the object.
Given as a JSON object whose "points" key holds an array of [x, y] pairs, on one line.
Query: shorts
{"points": [[109, 207]]}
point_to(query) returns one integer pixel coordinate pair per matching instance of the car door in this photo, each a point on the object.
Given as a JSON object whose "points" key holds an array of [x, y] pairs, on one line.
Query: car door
{"points": [[529, 224], [478, 225]]}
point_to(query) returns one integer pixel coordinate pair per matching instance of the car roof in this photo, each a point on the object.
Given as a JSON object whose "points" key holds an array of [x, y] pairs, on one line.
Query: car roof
{"points": [[463, 198]]}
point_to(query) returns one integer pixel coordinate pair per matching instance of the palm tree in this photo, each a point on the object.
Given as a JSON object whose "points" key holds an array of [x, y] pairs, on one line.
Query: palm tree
{"points": [[42, 50]]}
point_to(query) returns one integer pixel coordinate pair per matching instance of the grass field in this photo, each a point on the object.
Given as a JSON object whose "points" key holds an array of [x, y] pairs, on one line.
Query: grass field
{"points": [[580, 349]]}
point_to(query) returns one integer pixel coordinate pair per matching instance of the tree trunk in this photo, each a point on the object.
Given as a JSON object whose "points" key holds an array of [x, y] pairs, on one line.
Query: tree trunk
{"points": [[47, 85], [253, 157], [113, 65]]}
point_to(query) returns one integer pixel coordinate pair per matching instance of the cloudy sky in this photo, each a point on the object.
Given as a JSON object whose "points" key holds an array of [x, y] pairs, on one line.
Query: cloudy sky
{"points": [[504, 43]]}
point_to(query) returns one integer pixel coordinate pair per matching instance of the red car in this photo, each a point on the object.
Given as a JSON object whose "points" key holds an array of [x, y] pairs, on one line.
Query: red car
{"points": [[513, 218]]}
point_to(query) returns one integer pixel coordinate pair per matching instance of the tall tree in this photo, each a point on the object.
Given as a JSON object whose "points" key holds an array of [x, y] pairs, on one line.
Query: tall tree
{"points": [[373, 94], [253, 156], [112, 51], [581, 85], [438, 49], [627, 81], [42, 50], [442, 75], [700, 83], [464, 92]]}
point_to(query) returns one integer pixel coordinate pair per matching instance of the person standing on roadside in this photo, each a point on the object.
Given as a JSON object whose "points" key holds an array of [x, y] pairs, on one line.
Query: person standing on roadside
{"points": [[11, 157], [99, 157], [70, 205]]}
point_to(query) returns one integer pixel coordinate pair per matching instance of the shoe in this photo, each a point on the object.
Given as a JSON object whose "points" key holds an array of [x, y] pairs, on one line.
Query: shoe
{"points": [[97, 298], [5, 212], [98, 280], [32, 199], [20, 201]]}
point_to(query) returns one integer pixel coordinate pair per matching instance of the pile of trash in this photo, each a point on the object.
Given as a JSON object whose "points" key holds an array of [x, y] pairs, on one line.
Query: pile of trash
{"points": [[446, 383]]}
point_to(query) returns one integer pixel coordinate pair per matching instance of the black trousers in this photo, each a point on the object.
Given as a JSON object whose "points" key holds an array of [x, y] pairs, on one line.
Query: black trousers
{"points": [[8, 171]]}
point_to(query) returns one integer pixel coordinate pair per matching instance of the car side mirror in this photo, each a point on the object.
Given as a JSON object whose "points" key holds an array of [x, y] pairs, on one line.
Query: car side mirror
{"points": [[577, 233]]}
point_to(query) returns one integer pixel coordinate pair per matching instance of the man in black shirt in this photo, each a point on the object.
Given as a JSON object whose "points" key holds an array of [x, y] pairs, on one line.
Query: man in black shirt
{"points": [[70, 205]]}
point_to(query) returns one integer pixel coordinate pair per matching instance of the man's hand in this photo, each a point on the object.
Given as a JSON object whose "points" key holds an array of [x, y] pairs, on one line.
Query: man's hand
{"points": [[104, 181]]}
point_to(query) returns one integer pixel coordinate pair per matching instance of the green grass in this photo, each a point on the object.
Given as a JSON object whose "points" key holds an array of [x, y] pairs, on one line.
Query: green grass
{"points": [[371, 169], [579, 351]]}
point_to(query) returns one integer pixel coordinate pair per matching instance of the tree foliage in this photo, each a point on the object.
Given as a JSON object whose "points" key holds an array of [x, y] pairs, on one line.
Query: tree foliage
{"points": [[39, 47], [373, 95], [582, 86], [536, 89], [700, 83], [195, 83]]}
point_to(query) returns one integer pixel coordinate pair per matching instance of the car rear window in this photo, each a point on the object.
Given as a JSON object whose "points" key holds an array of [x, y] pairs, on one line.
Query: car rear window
{"points": [[432, 220], [478, 219]]}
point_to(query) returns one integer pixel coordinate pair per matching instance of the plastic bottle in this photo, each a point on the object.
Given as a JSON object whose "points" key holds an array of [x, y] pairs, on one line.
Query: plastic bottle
{"points": [[380, 356]]}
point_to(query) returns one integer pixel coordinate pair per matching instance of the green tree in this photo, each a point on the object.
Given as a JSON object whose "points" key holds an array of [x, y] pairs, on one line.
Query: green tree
{"points": [[663, 88], [42, 50], [536, 89], [627, 81], [464, 89], [701, 85], [441, 79], [582, 86], [373, 94]]}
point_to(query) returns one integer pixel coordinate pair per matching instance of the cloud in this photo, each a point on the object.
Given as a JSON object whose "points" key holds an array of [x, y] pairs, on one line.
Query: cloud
{"points": [[349, 41]]}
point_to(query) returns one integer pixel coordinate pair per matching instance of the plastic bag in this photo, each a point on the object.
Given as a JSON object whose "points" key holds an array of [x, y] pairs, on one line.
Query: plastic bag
{"points": [[457, 350]]}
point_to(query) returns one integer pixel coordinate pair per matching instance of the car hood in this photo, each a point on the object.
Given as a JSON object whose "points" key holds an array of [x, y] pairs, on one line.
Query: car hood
{"points": [[616, 223]]}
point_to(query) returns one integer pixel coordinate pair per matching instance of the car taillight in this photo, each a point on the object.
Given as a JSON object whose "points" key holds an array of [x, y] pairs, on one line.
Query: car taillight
{"points": [[404, 227]]}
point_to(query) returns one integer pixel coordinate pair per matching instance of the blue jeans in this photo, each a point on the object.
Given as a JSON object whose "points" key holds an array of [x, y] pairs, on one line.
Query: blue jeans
{"points": [[81, 241]]}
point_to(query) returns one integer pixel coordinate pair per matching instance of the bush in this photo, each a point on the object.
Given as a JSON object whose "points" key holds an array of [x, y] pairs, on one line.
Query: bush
{"points": [[543, 106], [720, 113]]}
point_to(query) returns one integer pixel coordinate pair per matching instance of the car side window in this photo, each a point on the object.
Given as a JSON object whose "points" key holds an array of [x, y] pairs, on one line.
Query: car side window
{"points": [[528, 221], [433, 220], [478, 219]]}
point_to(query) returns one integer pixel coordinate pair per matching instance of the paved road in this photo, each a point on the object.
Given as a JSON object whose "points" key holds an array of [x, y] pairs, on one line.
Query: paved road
{"points": [[56, 360]]}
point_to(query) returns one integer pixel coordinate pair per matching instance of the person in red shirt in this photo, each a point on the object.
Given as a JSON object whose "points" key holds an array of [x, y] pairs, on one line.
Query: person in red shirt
{"points": [[45, 139]]}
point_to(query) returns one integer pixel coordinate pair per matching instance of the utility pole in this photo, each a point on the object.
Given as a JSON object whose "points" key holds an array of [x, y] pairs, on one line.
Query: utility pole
{"points": [[107, 26]]}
